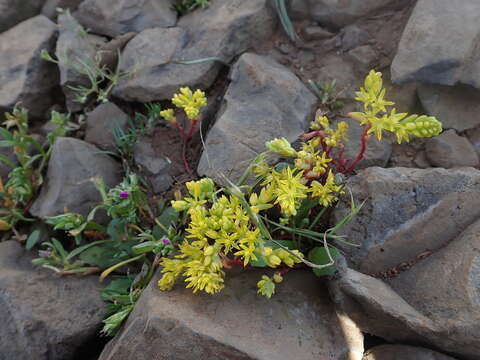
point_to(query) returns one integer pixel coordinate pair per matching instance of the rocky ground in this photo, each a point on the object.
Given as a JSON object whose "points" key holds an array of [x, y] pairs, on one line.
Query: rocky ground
{"points": [[411, 291]]}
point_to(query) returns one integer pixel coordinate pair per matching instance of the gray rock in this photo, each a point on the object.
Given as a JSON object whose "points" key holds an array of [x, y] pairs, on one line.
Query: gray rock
{"points": [[473, 136], [264, 101], [334, 12], [457, 107], [341, 69], [68, 184], [74, 49], [117, 17], [316, 33], [364, 57], [377, 309], [101, 125], [109, 52], [24, 76], [51, 6], [220, 31], [237, 323], [44, 316], [156, 168], [402, 352], [440, 44], [450, 150], [353, 36], [445, 287], [407, 212], [13, 12]]}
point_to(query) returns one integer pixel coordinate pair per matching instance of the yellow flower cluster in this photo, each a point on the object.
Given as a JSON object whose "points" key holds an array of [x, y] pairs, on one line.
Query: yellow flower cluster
{"points": [[190, 102], [313, 162], [290, 186], [332, 137], [378, 118], [218, 226], [326, 193]]}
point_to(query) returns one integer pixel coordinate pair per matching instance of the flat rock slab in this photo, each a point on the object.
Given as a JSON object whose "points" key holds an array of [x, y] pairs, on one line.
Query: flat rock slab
{"points": [[24, 76], [407, 212], [440, 44], [69, 183], [224, 30], [264, 101], [117, 17], [403, 352], [44, 316], [298, 322], [446, 288]]}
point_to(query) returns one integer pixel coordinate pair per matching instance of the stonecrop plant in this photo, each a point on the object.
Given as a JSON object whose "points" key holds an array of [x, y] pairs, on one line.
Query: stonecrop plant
{"points": [[273, 218], [274, 222], [191, 104]]}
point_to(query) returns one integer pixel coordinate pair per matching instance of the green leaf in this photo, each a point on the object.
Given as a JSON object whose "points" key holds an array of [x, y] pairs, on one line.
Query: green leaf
{"points": [[57, 245], [102, 257], [319, 256], [147, 246], [7, 161], [33, 239]]}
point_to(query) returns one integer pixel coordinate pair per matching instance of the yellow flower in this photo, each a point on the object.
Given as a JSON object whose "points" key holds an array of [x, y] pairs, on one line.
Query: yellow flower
{"points": [[190, 102], [328, 193], [288, 189], [379, 119], [169, 115]]}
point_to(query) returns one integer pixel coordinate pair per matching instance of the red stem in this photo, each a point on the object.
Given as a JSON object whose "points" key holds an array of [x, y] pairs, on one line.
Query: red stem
{"points": [[360, 155]]}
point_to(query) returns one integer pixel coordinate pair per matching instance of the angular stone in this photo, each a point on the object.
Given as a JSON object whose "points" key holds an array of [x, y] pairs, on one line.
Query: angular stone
{"points": [[450, 150], [365, 57], [376, 308], [156, 168], [473, 136], [224, 30], [440, 44], [237, 323], [44, 316], [353, 36], [457, 107], [68, 184], [334, 12], [446, 288], [24, 76], [264, 101], [102, 124], [338, 68], [407, 212], [13, 12], [51, 6], [117, 17], [73, 50], [403, 352]]}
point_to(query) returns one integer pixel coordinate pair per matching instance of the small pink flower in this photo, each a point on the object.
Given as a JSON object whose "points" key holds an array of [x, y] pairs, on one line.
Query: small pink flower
{"points": [[124, 195]]}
